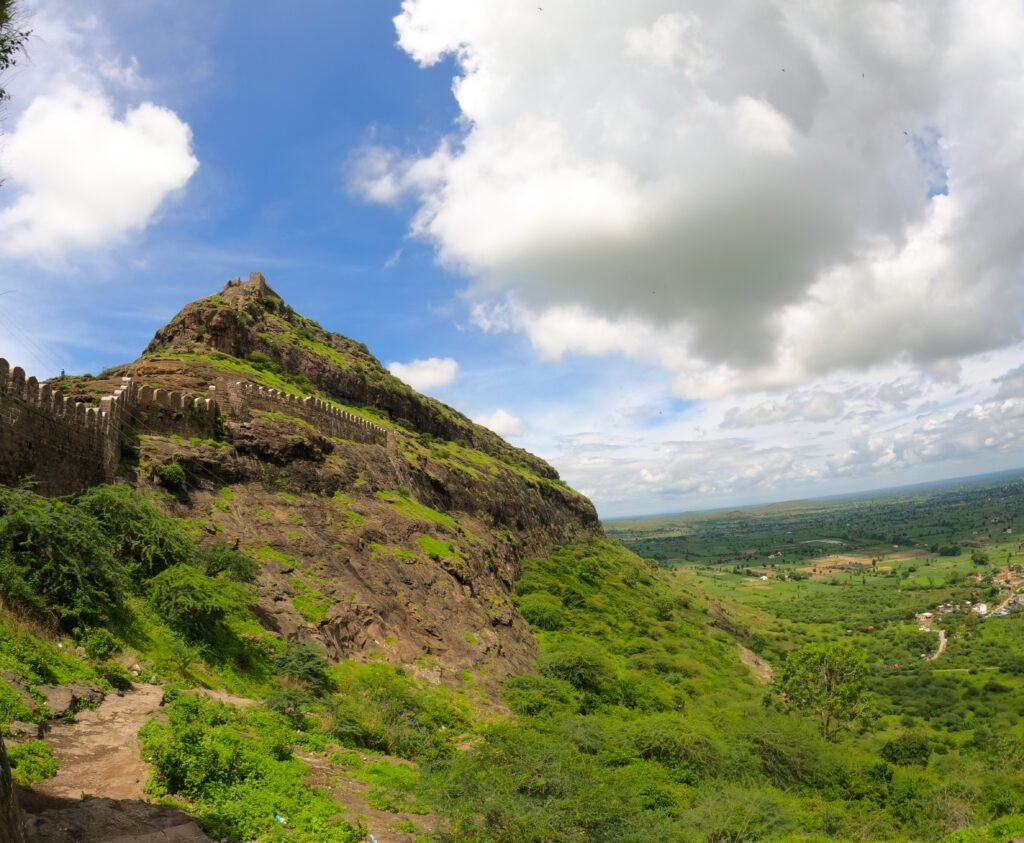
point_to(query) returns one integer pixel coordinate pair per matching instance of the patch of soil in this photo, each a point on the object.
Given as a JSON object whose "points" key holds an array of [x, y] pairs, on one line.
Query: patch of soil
{"points": [[758, 666], [352, 794], [99, 753]]}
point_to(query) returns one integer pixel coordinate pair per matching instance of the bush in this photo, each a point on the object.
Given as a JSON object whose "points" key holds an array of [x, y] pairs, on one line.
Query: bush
{"points": [[305, 663], [221, 559], [99, 644], [146, 540], [292, 704], [906, 750], [583, 664], [542, 610], [171, 475], [31, 762], [540, 696], [236, 768], [194, 603], [54, 556], [119, 678]]}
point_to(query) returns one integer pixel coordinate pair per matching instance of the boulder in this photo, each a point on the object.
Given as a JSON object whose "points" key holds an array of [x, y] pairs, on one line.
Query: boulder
{"points": [[60, 699]]}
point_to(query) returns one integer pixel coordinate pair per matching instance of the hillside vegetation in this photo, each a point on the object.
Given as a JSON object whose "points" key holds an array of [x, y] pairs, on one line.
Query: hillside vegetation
{"points": [[430, 637]]}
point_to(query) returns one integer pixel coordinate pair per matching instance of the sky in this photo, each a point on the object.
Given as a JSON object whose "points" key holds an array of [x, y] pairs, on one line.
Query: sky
{"points": [[695, 254]]}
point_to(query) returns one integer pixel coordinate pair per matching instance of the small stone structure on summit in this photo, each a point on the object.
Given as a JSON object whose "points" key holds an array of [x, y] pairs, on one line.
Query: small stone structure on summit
{"points": [[67, 446]]}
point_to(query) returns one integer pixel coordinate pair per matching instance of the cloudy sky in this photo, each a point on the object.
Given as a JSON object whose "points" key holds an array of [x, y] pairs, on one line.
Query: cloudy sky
{"points": [[694, 254]]}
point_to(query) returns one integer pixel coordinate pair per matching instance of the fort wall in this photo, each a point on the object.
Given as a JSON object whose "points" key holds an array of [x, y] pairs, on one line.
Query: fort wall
{"points": [[66, 446], [243, 397]]}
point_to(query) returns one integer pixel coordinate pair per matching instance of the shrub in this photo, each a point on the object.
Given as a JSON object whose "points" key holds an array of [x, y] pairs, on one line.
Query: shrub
{"points": [[99, 644], [221, 559], [534, 696], [542, 610], [305, 663], [908, 749], [55, 556], [583, 664], [194, 603], [171, 475], [119, 678], [31, 762], [292, 704], [146, 540]]}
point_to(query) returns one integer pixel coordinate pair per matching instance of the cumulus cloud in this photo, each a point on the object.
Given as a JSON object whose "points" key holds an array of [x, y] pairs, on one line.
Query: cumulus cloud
{"points": [[90, 161], [84, 177], [815, 407], [773, 190], [1011, 384], [502, 422], [426, 374]]}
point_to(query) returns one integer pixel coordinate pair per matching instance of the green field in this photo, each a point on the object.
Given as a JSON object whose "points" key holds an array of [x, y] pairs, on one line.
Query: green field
{"points": [[864, 571]]}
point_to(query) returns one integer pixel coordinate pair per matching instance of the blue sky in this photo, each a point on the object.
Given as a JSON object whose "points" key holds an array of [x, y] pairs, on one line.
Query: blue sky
{"points": [[692, 255]]}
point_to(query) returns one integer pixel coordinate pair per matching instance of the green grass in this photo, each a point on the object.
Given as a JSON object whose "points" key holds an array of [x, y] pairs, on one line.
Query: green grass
{"points": [[437, 549], [309, 602]]}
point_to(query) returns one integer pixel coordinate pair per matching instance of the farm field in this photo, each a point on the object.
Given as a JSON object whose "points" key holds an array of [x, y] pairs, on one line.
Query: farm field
{"points": [[929, 583]]}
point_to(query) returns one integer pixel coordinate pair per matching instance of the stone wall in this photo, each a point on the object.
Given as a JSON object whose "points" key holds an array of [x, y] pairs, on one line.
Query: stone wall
{"points": [[162, 412], [66, 446], [243, 397]]}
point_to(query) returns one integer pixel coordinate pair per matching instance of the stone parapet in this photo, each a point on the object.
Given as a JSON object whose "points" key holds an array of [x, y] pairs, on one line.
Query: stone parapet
{"points": [[65, 446], [328, 419]]}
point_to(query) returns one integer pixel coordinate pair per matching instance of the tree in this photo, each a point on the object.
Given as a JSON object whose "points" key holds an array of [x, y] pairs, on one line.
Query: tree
{"points": [[11, 38], [825, 679]]}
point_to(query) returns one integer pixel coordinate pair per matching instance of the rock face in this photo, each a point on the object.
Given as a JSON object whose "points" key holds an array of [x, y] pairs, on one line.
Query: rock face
{"points": [[402, 544], [11, 828]]}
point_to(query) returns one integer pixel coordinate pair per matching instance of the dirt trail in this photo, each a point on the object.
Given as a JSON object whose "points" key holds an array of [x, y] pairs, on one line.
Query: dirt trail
{"points": [[352, 794], [98, 754], [942, 646], [761, 669]]}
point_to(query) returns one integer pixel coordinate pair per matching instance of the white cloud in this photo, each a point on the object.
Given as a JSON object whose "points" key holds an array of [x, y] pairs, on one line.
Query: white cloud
{"points": [[83, 178], [818, 406], [503, 423], [89, 161], [750, 197], [426, 374], [1011, 384]]}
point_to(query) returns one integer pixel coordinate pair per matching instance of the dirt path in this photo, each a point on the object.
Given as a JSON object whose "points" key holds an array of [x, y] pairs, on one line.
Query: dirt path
{"points": [[761, 669], [942, 646], [352, 794], [98, 754]]}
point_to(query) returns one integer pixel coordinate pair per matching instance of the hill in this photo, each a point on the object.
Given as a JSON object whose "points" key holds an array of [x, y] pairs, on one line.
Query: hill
{"points": [[386, 522]]}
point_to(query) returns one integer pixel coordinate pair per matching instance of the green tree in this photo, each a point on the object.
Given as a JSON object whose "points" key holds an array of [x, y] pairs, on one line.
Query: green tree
{"points": [[12, 38], [826, 680]]}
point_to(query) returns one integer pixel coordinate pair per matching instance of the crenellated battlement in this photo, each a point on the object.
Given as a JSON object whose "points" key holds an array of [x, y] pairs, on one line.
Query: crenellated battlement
{"points": [[66, 445], [330, 420], [63, 444]]}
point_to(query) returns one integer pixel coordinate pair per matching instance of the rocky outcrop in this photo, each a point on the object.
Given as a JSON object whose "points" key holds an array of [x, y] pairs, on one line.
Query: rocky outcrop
{"points": [[248, 319], [11, 820]]}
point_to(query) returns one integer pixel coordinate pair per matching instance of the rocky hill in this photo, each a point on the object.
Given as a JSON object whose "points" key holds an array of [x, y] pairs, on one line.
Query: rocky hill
{"points": [[395, 535]]}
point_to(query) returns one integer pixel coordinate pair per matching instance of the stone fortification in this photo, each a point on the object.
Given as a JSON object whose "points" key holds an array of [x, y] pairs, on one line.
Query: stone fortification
{"points": [[66, 446], [243, 397], [164, 412], [63, 445]]}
